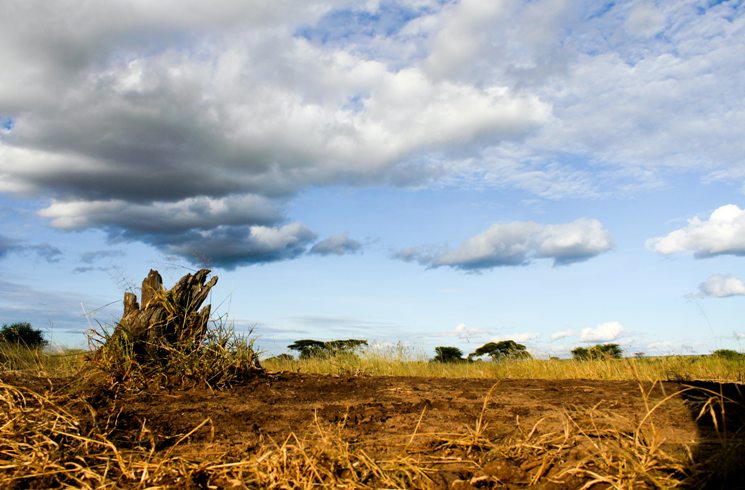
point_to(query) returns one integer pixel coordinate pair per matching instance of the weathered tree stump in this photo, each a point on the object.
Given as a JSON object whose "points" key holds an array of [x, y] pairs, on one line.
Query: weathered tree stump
{"points": [[165, 319]]}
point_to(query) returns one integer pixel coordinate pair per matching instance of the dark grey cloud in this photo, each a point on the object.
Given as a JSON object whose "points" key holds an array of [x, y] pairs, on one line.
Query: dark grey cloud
{"points": [[96, 255], [518, 243], [7, 245], [336, 245], [172, 123], [48, 252], [233, 246]]}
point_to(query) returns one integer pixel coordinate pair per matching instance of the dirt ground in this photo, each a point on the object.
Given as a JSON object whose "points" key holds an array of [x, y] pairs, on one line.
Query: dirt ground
{"points": [[386, 416]]}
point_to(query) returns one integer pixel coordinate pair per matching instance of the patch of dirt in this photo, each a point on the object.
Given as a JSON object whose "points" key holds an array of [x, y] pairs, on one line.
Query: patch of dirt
{"points": [[385, 409], [386, 416]]}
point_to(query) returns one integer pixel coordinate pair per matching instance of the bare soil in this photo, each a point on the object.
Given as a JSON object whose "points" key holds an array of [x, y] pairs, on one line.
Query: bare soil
{"points": [[387, 416]]}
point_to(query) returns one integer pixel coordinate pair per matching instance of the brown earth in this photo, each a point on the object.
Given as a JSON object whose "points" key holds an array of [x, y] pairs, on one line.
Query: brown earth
{"points": [[391, 416]]}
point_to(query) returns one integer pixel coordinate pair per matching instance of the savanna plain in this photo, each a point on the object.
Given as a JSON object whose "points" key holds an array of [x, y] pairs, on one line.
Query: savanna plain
{"points": [[211, 415]]}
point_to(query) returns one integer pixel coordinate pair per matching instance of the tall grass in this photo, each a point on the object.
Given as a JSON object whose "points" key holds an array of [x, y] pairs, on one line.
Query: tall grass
{"points": [[41, 362], [400, 362]]}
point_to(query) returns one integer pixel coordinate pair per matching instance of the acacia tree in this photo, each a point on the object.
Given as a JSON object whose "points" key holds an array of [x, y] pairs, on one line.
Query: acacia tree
{"points": [[599, 351], [316, 348], [448, 354], [22, 333], [505, 349]]}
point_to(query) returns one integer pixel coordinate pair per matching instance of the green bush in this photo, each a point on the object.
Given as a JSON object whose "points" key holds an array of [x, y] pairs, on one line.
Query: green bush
{"points": [[505, 349], [22, 333], [729, 354], [597, 352], [448, 354]]}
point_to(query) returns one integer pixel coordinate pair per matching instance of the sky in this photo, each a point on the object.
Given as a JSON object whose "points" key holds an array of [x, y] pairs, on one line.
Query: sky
{"points": [[416, 172]]}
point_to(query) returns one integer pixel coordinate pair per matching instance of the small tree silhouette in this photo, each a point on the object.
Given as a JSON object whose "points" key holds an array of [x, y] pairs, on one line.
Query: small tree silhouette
{"points": [[505, 349], [309, 348], [448, 354], [22, 333], [599, 351]]}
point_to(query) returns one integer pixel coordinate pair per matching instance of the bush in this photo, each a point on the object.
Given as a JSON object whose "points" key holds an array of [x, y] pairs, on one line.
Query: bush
{"points": [[598, 352], [505, 349], [22, 333], [311, 349], [448, 354], [729, 354]]}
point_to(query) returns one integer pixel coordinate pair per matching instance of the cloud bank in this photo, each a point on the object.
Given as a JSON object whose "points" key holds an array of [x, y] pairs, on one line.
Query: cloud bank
{"points": [[518, 243], [183, 126]]}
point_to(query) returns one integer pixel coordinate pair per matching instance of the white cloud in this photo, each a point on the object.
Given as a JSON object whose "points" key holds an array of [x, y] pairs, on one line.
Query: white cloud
{"points": [[562, 334], [722, 233], [719, 286], [602, 333], [517, 337], [517, 243]]}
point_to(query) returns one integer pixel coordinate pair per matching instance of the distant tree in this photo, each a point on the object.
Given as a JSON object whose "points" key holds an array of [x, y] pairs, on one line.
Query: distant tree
{"points": [[344, 346], [729, 354], [505, 349], [309, 349], [599, 351], [448, 354], [22, 333]]}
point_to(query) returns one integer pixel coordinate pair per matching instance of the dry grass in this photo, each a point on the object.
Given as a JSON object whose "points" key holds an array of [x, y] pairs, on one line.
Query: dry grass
{"points": [[52, 440], [403, 363]]}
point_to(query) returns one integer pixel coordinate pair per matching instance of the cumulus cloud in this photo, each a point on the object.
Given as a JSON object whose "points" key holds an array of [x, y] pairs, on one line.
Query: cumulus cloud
{"points": [[562, 334], [148, 122], [518, 243], [719, 286], [723, 233], [336, 245], [231, 247], [604, 332]]}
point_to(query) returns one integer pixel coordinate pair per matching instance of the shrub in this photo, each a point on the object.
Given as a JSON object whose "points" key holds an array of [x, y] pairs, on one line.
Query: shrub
{"points": [[599, 351], [505, 349], [310, 349], [729, 354], [22, 333], [448, 354]]}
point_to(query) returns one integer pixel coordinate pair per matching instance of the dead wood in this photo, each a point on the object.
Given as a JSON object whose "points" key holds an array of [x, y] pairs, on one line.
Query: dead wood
{"points": [[165, 319]]}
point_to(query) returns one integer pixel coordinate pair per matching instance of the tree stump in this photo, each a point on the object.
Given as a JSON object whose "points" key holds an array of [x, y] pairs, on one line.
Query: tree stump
{"points": [[165, 319]]}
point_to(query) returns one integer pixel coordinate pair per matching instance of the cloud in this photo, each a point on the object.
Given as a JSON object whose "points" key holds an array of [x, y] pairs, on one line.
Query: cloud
{"points": [[562, 334], [149, 124], [518, 243], [722, 234], [336, 245], [231, 247], [96, 255], [719, 286], [602, 333], [517, 337], [463, 332], [46, 251], [217, 117], [7, 245]]}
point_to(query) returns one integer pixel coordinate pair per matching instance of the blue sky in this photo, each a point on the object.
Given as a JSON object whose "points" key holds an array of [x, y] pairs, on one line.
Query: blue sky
{"points": [[429, 172]]}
